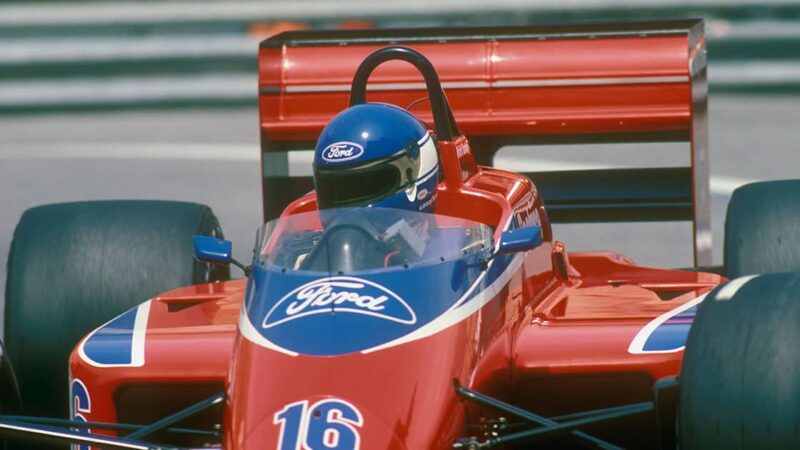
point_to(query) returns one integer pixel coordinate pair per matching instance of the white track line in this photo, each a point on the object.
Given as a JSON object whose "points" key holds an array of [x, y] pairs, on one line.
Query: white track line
{"points": [[719, 184], [115, 48], [299, 162], [130, 150], [129, 89], [753, 72], [125, 12]]}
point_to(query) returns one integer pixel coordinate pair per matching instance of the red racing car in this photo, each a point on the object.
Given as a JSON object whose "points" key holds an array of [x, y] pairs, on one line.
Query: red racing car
{"points": [[462, 324]]}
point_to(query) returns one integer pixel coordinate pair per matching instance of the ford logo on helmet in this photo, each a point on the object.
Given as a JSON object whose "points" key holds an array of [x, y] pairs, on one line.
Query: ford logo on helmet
{"points": [[342, 151]]}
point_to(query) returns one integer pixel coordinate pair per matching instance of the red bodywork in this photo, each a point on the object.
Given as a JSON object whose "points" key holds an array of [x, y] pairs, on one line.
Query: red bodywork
{"points": [[556, 337]]}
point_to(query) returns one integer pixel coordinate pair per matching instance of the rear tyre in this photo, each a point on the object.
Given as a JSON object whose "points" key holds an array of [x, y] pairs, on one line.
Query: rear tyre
{"points": [[740, 381], [74, 266], [762, 229]]}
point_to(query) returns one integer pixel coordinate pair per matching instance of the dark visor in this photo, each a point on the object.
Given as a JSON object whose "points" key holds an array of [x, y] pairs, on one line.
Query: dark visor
{"points": [[357, 187], [365, 185]]}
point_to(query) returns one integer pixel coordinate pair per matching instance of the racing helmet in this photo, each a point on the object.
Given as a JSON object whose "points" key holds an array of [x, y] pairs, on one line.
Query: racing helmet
{"points": [[376, 154]]}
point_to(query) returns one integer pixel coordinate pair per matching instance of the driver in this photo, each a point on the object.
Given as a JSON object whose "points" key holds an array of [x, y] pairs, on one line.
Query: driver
{"points": [[379, 155], [376, 154]]}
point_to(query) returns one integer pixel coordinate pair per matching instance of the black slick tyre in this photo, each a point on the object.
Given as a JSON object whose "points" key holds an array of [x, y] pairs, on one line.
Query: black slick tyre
{"points": [[762, 229], [740, 381], [74, 266]]}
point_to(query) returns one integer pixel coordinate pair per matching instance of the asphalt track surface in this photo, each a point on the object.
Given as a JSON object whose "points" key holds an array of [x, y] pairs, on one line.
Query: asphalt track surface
{"points": [[212, 157]]}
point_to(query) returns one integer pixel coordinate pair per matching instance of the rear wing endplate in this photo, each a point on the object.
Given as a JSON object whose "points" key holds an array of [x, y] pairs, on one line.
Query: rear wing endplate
{"points": [[636, 82]]}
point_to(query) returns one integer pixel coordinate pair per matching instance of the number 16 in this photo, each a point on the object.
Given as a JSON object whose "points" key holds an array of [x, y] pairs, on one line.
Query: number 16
{"points": [[327, 424]]}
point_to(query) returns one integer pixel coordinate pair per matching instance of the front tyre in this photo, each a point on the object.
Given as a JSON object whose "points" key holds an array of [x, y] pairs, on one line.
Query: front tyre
{"points": [[740, 381], [74, 266]]}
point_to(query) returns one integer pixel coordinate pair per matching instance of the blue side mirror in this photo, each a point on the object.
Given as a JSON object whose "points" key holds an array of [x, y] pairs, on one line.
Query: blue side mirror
{"points": [[212, 250], [520, 239]]}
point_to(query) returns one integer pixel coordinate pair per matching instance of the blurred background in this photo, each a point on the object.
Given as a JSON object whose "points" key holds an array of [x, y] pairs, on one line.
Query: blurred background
{"points": [[157, 99]]}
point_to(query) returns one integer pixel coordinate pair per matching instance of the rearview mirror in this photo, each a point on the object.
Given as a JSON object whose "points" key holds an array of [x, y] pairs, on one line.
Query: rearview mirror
{"points": [[520, 239], [212, 250]]}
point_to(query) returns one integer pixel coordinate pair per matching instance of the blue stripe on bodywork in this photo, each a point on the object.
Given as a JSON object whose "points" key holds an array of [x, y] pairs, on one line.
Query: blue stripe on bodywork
{"points": [[115, 344], [670, 335], [668, 332]]}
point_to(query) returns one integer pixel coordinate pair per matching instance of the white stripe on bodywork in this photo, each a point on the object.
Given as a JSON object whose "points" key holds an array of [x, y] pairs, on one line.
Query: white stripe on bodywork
{"points": [[637, 345], [137, 339], [729, 289], [251, 334], [457, 313], [139, 334]]}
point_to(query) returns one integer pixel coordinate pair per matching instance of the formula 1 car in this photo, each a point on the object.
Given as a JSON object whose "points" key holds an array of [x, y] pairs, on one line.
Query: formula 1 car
{"points": [[487, 333]]}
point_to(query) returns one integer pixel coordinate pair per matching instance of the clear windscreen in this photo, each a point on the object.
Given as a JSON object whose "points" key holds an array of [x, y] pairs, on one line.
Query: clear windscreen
{"points": [[349, 240]]}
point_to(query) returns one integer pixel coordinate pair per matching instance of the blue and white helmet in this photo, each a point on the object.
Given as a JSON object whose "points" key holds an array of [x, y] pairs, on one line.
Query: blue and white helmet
{"points": [[376, 154]]}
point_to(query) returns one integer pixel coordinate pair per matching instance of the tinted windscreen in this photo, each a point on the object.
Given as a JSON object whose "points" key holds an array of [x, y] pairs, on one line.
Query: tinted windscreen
{"points": [[357, 186]]}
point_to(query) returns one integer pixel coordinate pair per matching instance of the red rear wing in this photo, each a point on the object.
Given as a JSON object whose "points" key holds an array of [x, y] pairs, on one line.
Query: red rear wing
{"points": [[515, 85]]}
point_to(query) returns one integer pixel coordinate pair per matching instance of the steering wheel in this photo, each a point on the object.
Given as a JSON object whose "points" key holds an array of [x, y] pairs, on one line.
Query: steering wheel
{"points": [[350, 243]]}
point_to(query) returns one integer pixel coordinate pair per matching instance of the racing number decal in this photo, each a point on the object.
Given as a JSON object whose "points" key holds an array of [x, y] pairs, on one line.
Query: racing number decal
{"points": [[80, 404], [333, 424], [326, 424], [290, 419]]}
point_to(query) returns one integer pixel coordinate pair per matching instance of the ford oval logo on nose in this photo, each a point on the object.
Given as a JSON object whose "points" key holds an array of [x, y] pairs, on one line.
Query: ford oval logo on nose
{"points": [[348, 295], [342, 151]]}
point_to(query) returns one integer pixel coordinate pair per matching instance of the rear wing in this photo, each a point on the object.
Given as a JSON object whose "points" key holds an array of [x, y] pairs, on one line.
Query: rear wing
{"points": [[643, 82]]}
